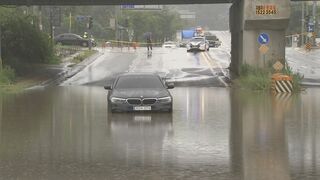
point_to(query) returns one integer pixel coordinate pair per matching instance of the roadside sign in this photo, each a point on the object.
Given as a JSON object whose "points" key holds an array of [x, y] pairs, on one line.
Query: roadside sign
{"points": [[266, 9], [314, 34], [310, 27], [141, 7], [308, 46], [263, 38], [80, 18], [278, 66], [263, 49]]}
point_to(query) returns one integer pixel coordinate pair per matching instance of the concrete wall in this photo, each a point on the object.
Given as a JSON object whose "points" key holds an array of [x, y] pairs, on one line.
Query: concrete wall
{"points": [[246, 26]]}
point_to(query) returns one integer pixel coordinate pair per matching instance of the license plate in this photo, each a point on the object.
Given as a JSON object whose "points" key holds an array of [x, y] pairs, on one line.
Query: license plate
{"points": [[142, 108]]}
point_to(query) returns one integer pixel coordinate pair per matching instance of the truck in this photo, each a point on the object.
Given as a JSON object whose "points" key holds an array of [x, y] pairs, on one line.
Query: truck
{"points": [[185, 36]]}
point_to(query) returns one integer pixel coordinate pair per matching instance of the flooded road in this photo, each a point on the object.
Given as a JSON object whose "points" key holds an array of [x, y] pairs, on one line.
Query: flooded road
{"points": [[213, 133], [176, 65]]}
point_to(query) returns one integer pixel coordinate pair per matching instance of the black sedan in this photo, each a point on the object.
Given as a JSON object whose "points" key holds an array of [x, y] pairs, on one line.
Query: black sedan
{"points": [[73, 39], [139, 92]]}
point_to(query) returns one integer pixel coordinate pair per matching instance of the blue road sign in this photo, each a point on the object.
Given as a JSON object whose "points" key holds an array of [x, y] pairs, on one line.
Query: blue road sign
{"points": [[263, 38], [310, 27], [127, 6], [81, 18]]}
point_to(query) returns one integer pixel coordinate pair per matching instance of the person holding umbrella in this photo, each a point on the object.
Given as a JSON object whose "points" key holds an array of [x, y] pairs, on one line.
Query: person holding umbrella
{"points": [[149, 43]]}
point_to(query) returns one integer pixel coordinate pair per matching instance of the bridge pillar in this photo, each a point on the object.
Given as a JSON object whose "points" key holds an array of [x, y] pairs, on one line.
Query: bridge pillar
{"points": [[247, 22]]}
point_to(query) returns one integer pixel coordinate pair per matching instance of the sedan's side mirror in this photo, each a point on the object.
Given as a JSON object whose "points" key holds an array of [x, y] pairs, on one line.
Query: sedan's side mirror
{"points": [[170, 85], [108, 87]]}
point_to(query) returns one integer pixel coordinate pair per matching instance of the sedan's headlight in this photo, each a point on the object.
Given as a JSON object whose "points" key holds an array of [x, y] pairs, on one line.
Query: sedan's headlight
{"points": [[165, 99], [118, 100]]}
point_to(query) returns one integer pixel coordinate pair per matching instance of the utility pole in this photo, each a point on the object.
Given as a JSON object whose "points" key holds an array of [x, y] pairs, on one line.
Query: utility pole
{"points": [[51, 24], [302, 24], [315, 22], [117, 9], [70, 22]]}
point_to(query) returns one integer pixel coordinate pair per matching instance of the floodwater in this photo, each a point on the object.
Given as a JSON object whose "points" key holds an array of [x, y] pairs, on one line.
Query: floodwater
{"points": [[213, 133]]}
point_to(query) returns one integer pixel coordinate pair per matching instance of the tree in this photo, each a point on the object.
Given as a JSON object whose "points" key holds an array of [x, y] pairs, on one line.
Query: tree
{"points": [[23, 42], [162, 24]]}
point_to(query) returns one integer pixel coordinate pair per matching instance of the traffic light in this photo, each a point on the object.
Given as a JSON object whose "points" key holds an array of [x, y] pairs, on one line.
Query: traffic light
{"points": [[90, 23]]}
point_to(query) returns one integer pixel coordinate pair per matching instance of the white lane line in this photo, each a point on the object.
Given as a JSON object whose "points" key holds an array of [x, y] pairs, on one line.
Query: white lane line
{"points": [[219, 65], [216, 62], [205, 57]]}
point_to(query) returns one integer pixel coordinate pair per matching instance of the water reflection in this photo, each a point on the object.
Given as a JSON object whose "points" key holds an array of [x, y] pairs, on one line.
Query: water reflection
{"points": [[258, 143], [139, 136], [67, 133]]}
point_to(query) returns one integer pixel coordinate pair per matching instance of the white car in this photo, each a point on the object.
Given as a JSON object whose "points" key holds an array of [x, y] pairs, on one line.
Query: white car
{"points": [[169, 44], [198, 44]]}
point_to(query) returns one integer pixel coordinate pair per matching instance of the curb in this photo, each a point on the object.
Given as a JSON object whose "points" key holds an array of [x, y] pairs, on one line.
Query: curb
{"points": [[66, 74], [310, 84]]}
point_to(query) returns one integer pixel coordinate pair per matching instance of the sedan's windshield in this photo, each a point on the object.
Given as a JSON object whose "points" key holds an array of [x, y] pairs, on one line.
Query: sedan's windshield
{"points": [[127, 82], [197, 40]]}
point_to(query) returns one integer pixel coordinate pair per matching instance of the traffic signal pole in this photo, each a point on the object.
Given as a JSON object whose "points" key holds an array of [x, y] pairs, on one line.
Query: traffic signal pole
{"points": [[90, 25]]}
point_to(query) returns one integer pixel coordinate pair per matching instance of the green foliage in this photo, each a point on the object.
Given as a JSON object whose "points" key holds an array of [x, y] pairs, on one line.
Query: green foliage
{"points": [[296, 78], [253, 78], [100, 15], [162, 24], [23, 42], [7, 76]]}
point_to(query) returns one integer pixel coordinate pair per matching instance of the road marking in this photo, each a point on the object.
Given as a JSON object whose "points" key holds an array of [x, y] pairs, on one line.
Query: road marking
{"points": [[216, 63], [207, 60]]}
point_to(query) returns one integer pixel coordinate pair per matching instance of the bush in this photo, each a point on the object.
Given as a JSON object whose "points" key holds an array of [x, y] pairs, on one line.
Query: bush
{"points": [[7, 76], [254, 78], [23, 42], [296, 77]]}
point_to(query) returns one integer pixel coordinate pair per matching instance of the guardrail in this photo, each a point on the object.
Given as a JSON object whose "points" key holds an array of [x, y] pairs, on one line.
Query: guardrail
{"points": [[65, 51]]}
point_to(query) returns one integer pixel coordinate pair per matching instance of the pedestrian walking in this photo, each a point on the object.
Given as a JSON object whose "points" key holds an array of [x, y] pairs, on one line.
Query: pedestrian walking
{"points": [[149, 45]]}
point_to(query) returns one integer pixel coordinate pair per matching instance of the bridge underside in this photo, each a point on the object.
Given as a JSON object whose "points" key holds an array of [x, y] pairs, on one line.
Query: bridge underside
{"points": [[109, 2]]}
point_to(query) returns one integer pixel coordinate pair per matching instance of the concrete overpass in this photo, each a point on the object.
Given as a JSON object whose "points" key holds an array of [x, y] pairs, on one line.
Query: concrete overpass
{"points": [[108, 2], [111, 2], [248, 18]]}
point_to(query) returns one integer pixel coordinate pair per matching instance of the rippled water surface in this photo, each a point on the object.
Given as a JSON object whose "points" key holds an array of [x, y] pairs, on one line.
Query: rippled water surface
{"points": [[213, 133]]}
